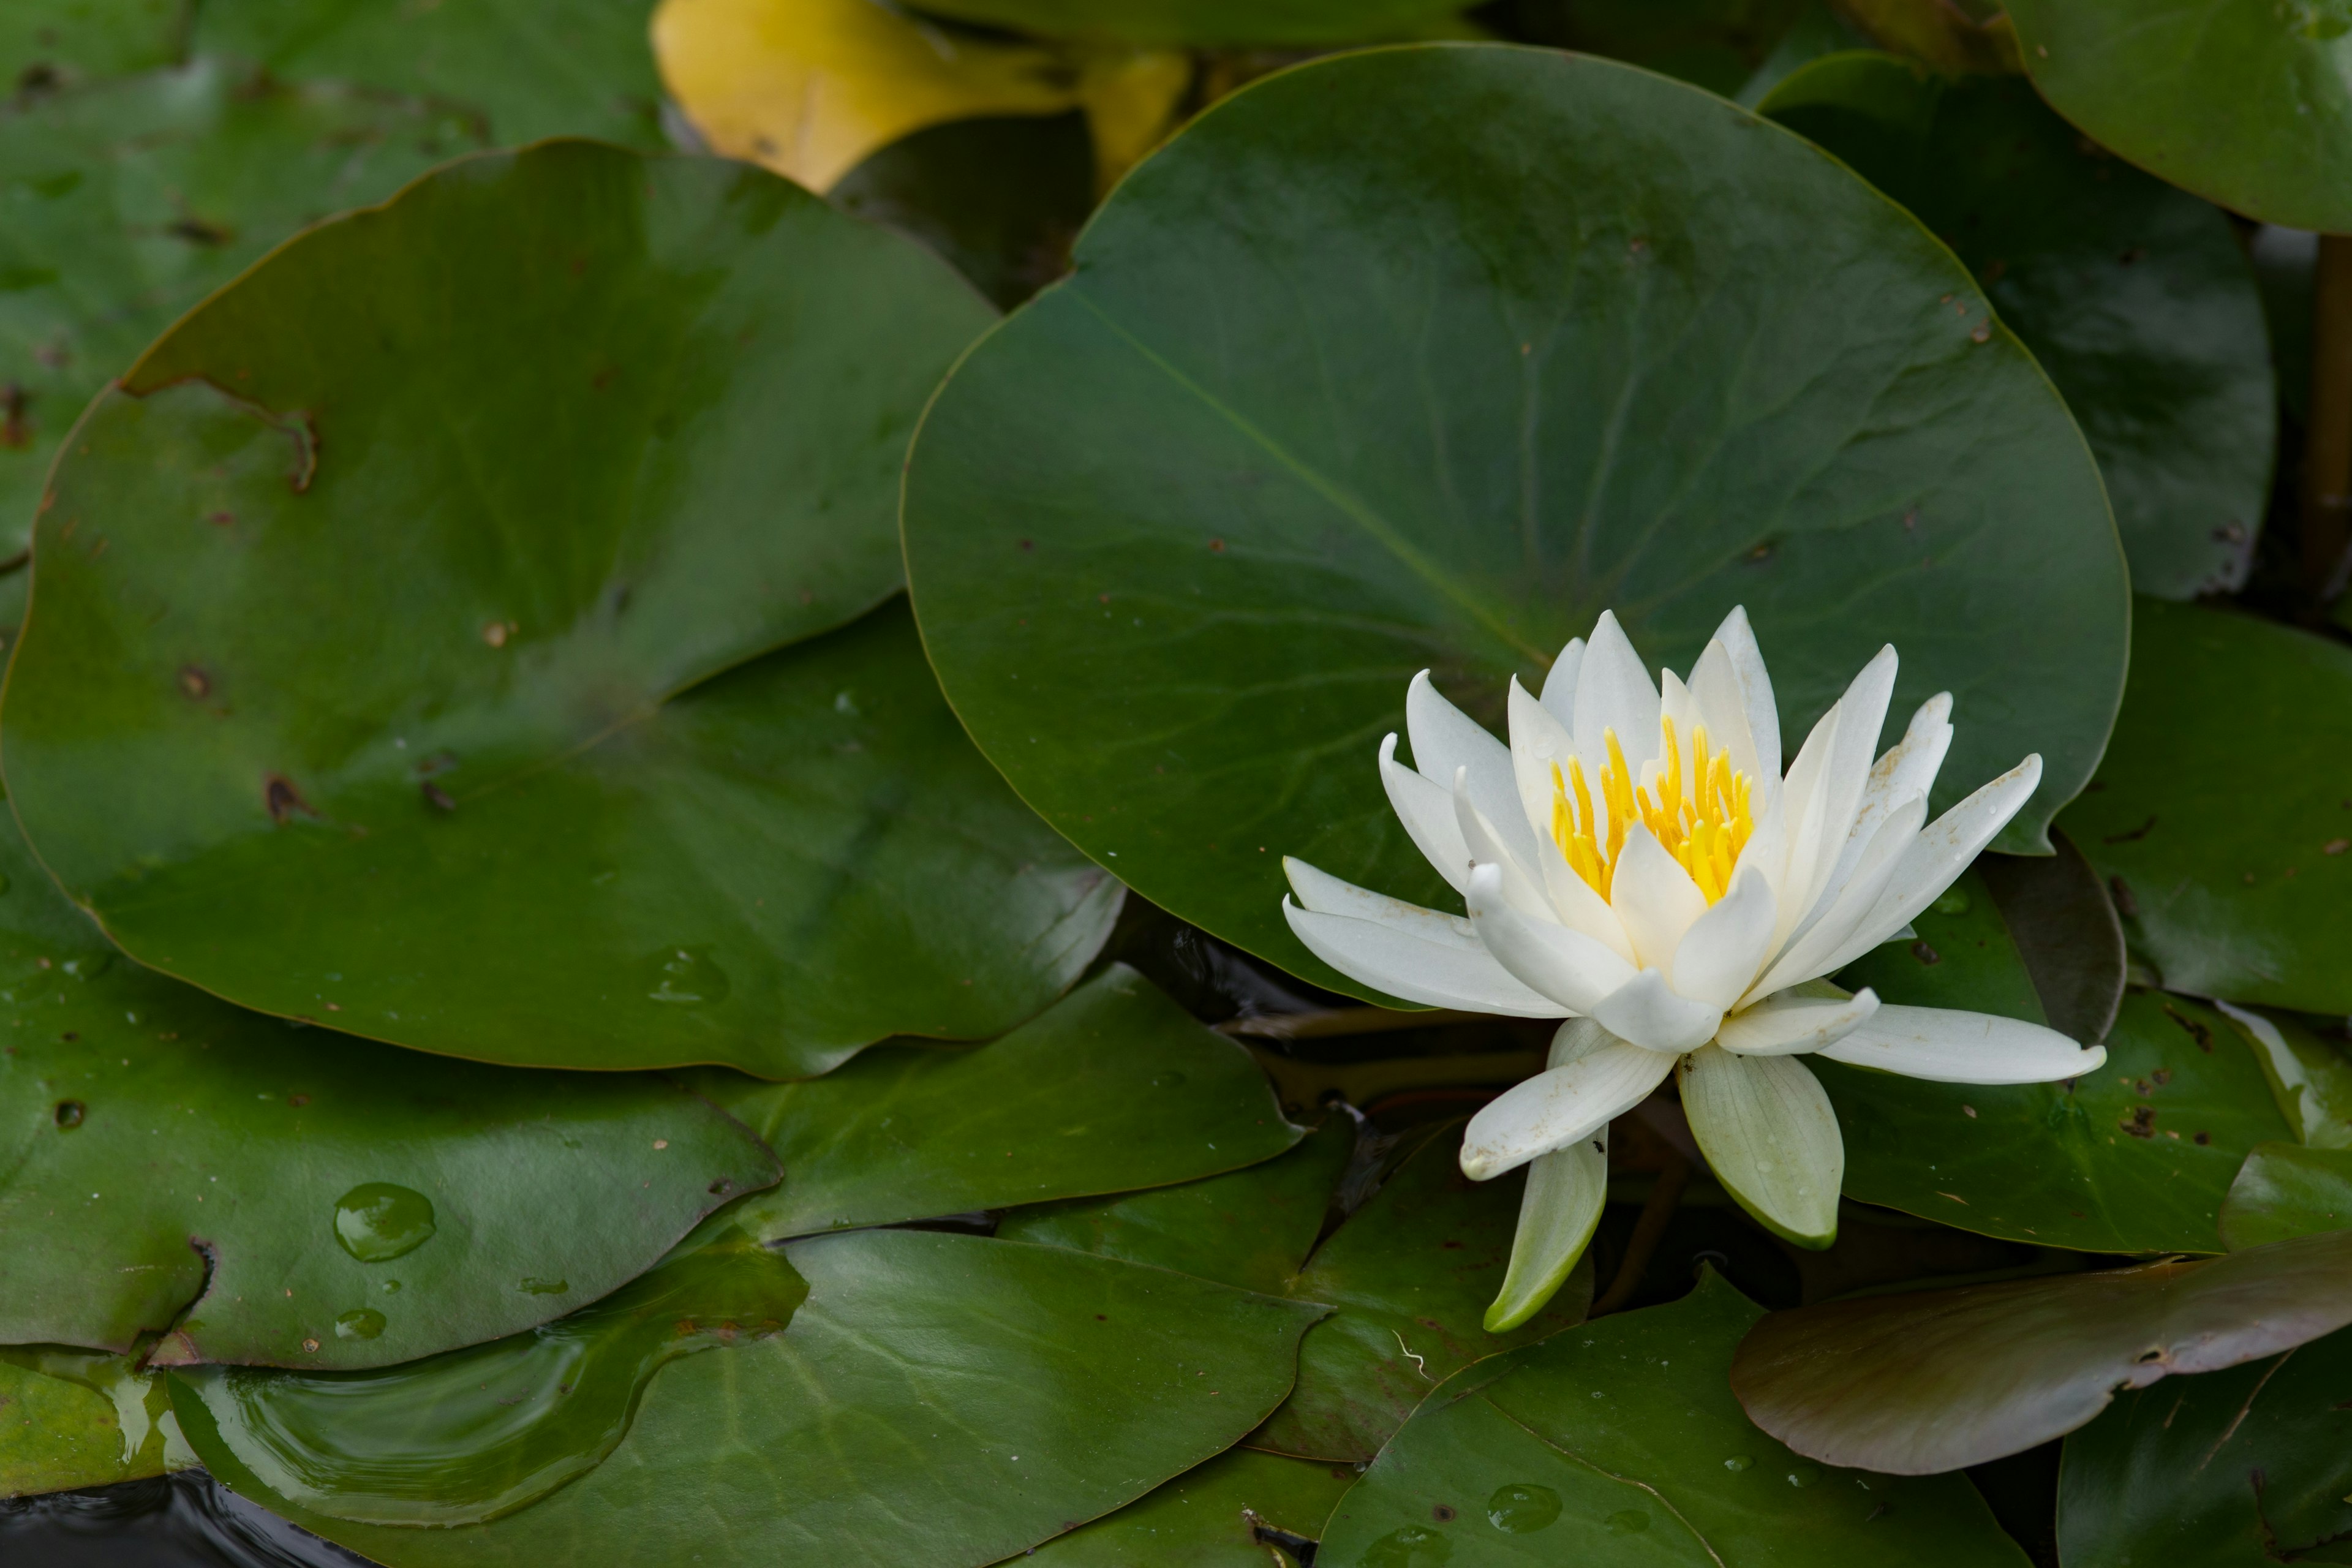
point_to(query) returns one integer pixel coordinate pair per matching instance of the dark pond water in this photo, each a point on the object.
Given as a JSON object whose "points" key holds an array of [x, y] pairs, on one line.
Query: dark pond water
{"points": [[184, 1521]]}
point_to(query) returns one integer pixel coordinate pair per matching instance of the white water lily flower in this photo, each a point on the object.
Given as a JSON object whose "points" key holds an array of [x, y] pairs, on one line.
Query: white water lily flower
{"points": [[1634, 862]]}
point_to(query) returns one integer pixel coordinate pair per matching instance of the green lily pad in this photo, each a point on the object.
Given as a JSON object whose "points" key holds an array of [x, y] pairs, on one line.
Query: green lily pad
{"points": [[299, 1197], [1001, 198], [1212, 23], [531, 793], [128, 201], [499, 1426], [2135, 297], [48, 44], [2310, 1073], [1423, 357], [1714, 44], [2285, 1189], [1112, 1087], [524, 68], [947, 1400], [73, 1418], [1224, 1514], [2221, 813], [2065, 933], [1620, 1447], [2247, 102], [1918, 1383], [2240, 1468]]}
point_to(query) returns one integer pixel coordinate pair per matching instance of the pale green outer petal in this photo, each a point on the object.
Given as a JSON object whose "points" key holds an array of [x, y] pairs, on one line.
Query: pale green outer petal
{"points": [[1560, 1106], [1945, 1046], [1646, 1011], [1768, 1131], [1547, 957], [1561, 1207], [1614, 691], [1654, 897], [1753, 687], [1446, 742], [1792, 1024], [1720, 953], [1559, 683], [1407, 961], [1427, 812]]}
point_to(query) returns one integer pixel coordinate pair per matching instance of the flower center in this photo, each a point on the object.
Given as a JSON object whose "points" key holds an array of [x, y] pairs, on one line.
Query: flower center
{"points": [[1702, 821]]}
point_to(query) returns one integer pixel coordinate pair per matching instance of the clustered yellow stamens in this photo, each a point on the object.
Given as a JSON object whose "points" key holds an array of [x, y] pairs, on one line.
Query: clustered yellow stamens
{"points": [[1704, 826]]}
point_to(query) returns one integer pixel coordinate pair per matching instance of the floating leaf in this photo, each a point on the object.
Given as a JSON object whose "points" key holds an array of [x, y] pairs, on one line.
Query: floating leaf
{"points": [[1222, 1515], [2242, 1468], [1918, 1383], [2232, 882], [48, 44], [1423, 356], [2285, 1190], [128, 201], [1619, 1447], [524, 68], [480, 1433], [2135, 297], [2066, 935], [2248, 103], [73, 1418], [940, 1399], [1111, 1089], [2310, 1074], [322, 1201], [812, 87], [498, 793]]}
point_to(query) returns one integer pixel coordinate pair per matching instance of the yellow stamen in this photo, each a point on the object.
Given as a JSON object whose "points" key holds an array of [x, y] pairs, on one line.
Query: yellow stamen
{"points": [[1703, 827]]}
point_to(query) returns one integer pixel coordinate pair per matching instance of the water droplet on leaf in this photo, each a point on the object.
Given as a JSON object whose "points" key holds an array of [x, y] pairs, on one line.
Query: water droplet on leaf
{"points": [[1522, 1509], [1628, 1521], [686, 977], [377, 1221], [359, 1323]]}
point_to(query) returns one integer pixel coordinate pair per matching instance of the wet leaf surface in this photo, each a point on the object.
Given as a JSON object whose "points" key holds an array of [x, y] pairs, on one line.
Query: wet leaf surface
{"points": [[1620, 1445], [1212, 1517], [1918, 1383], [1111, 1089], [1410, 359], [73, 1418], [2229, 889], [525, 790], [481, 1433], [939, 1399], [2285, 1190], [2309, 1071], [2133, 1158], [2239, 1469], [128, 201], [2248, 105], [322, 1201], [2135, 297]]}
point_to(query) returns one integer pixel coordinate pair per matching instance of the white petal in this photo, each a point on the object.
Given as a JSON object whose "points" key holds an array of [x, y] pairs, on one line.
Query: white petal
{"points": [[1322, 893], [1654, 897], [1805, 803], [1829, 945], [1676, 705], [1771, 1139], [1566, 965], [1719, 954], [1862, 713], [1792, 1023], [1520, 883], [1646, 1011], [1560, 684], [1941, 852], [1427, 812], [1947, 1046], [1909, 768], [1557, 1215], [1392, 957], [1447, 742], [1751, 689], [1537, 740], [1614, 692], [1558, 1107]]}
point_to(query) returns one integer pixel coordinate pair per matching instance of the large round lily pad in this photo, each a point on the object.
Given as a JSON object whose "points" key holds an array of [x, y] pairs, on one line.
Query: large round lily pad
{"points": [[128, 201], [2223, 813], [1619, 1447], [1421, 358], [297, 1197], [946, 1400], [397, 659], [2248, 102], [2135, 297]]}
